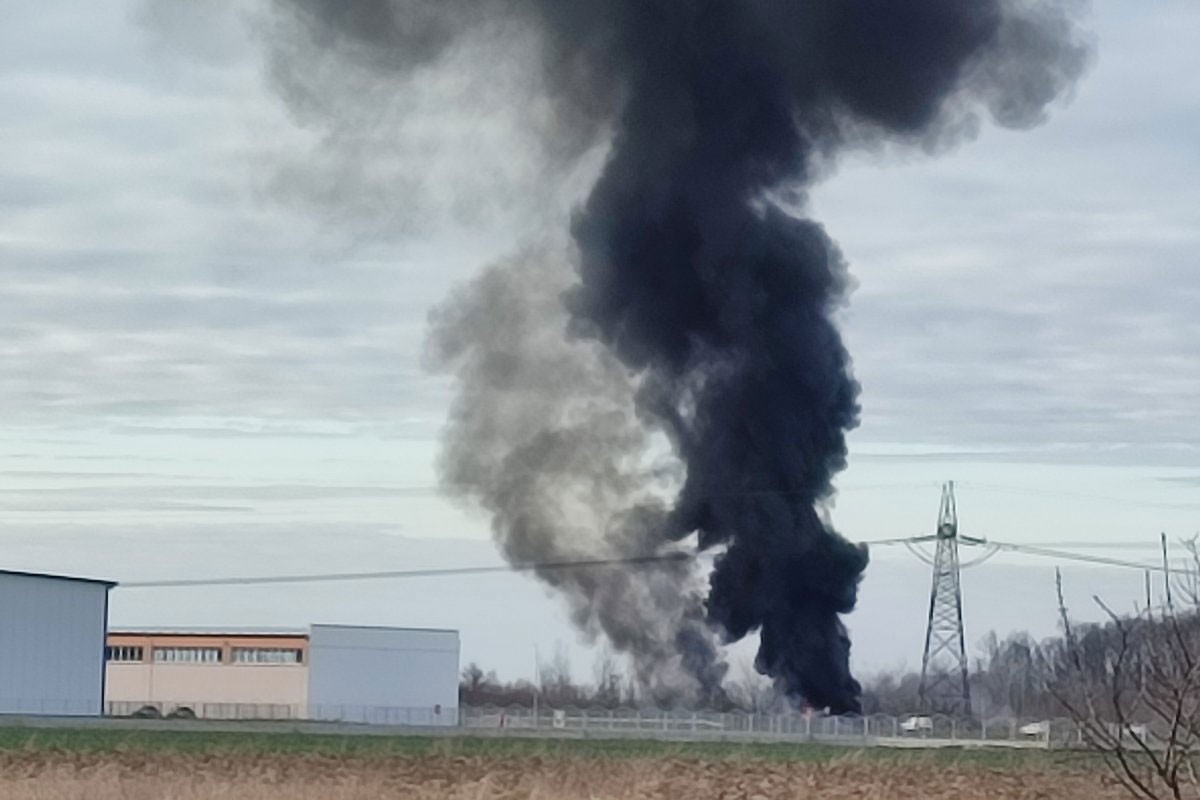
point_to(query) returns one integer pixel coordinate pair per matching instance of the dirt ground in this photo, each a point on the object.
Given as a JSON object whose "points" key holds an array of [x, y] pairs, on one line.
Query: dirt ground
{"points": [[49, 775]]}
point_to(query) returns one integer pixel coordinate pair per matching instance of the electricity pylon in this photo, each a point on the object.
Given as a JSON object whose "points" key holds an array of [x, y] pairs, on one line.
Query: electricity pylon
{"points": [[944, 685]]}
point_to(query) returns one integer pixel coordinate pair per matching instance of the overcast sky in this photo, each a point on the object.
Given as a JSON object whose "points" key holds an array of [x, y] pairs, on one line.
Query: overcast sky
{"points": [[212, 316]]}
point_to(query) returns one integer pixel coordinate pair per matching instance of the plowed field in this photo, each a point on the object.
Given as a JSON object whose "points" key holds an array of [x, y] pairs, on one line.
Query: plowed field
{"points": [[56, 774]]}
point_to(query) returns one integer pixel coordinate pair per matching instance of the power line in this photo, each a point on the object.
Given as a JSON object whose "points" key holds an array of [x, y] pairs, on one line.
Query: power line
{"points": [[1046, 552], [1086, 545], [888, 542], [330, 577], [635, 561]]}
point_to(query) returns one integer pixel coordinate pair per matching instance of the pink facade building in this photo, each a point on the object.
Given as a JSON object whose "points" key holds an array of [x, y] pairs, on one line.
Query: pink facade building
{"points": [[331, 672], [203, 670]]}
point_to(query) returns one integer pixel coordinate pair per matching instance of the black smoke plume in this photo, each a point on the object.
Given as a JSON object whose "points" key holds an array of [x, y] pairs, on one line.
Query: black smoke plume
{"points": [[700, 309]]}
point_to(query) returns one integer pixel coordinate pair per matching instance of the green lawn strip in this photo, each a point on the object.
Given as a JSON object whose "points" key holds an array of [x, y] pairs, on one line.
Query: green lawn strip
{"points": [[110, 740]]}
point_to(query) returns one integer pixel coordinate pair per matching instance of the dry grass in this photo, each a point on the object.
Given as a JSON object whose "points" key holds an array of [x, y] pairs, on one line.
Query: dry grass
{"points": [[60, 775]]}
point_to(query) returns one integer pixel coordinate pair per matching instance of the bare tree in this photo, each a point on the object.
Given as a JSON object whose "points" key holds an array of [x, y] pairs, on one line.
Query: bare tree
{"points": [[894, 693], [479, 688], [557, 687], [474, 678], [1186, 581], [608, 680], [1132, 687], [755, 692], [1009, 679]]}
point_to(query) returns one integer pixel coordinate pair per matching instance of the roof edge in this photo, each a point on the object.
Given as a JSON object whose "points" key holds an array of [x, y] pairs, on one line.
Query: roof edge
{"points": [[204, 630], [49, 576], [384, 628]]}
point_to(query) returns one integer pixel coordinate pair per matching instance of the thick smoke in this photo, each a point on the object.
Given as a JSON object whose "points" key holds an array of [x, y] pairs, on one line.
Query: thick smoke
{"points": [[701, 302], [544, 433]]}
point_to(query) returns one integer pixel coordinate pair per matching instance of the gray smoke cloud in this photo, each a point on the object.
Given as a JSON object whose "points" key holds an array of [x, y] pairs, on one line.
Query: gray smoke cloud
{"points": [[545, 435], [696, 307]]}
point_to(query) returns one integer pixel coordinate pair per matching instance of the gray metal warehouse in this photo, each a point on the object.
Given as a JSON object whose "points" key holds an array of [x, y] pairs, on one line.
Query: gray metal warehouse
{"points": [[52, 633], [357, 674]]}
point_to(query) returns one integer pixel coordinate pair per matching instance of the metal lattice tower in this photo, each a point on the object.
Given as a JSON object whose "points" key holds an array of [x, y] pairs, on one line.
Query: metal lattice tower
{"points": [[944, 685]]}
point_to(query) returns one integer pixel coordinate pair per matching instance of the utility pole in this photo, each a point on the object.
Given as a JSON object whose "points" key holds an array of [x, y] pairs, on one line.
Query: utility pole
{"points": [[1167, 575], [537, 683], [944, 682]]}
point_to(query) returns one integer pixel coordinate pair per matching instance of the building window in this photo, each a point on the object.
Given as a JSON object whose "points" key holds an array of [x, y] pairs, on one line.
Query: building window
{"points": [[123, 654], [266, 655], [188, 655]]}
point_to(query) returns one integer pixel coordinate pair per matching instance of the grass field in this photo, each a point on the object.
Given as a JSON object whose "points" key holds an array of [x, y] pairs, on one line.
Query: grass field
{"points": [[45, 764]]}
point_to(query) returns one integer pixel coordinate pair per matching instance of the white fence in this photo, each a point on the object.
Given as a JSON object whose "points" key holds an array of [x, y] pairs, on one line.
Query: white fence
{"points": [[434, 716], [880, 729], [671, 725]]}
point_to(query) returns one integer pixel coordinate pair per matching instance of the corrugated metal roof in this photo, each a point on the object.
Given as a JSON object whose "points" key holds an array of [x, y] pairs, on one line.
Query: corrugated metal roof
{"points": [[48, 576]]}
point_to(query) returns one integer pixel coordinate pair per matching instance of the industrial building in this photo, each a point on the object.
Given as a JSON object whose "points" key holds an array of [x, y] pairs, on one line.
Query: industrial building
{"points": [[400, 676], [52, 633]]}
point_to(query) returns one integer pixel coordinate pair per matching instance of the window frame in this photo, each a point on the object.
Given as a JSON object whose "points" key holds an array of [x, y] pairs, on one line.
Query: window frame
{"points": [[124, 654], [250, 656], [204, 656]]}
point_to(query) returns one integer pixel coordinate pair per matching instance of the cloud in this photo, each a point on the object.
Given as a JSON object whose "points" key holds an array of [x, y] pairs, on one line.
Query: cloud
{"points": [[1187, 481], [177, 242], [1037, 292], [197, 279], [94, 506], [246, 492], [67, 475]]}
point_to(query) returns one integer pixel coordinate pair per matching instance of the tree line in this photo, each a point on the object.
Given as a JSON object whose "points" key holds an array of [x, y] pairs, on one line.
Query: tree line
{"points": [[1011, 677]]}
